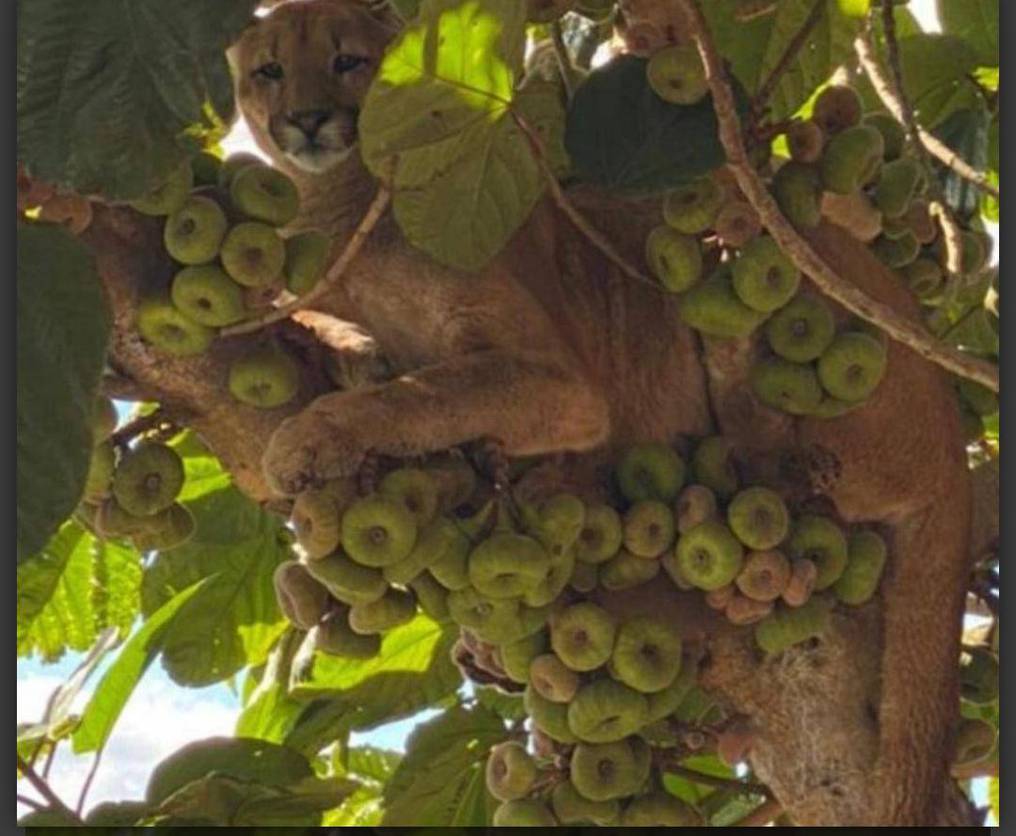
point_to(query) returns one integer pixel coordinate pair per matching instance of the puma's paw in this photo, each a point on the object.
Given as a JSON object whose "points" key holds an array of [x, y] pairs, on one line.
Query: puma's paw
{"points": [[300, 456]]}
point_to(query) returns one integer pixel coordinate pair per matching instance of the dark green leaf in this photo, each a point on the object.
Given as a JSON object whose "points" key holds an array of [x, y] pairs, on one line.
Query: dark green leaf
{"points": [[123, 675], [754, 48], [621, 135], [235, 620], [966, 133], [252, 760], [113, 94], [63, 328], [936, 74], [440, 781], [976, 22]]}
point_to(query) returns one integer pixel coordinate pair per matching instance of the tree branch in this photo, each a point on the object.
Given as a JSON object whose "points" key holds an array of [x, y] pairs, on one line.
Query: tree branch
{"points": [[30, 802], [156, 419], [335, 272], [45, 790], [796, 247], [789, 54], [564, 62], [88, 782], [930, 143]]}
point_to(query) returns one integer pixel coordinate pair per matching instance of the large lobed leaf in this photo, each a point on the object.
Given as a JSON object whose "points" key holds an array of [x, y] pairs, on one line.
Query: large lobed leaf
{"points": [[63, 329], [440, 780], [976, 22], [119, 681], [437, 123], [620, 135], [755, 47], [113, 94], [75, 587], [236, 619]]}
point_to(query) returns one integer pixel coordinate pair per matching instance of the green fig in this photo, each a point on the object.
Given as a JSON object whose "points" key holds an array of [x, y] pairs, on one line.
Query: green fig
{"points": [[713, 466], [837, 108], [334, 636], [852, 158], [165, 530], [148, 478], [507, 565], [759, 518], [710, 556], [604, 772], [823, 542], [378, 531], [676, 74], [552, 679], [510, 772], [647, 654], [791, 387], [169, 330], [764, 278], [797, 188], [582, 636], [169, 196], [674, 258], [626, 570], [605, 711], [265, 378], [193, 233], [650, 471], [852, 366], [692, 208], [801, 330], [346, 580], [302, 599], [601, 535], [306, 257], [784, 628], [866, 557], [648, 528], [394, 608]]}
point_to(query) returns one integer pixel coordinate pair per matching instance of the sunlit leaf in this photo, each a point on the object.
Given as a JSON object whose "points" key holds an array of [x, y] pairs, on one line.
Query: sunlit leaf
{"points": [[440, 780], [119, 681]]}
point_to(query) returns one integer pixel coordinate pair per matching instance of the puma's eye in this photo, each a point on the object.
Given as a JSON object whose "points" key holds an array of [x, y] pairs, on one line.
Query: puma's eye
{"points": [[272, 71], [345, 63]]}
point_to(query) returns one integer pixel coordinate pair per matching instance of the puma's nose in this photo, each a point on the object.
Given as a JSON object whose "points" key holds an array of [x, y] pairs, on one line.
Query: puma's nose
{"points": [[309, 121]]}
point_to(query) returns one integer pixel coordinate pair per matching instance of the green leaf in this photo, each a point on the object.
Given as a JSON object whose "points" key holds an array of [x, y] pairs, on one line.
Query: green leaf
{"points": [[63, 328], [966, 133], [687, 789], [123, 675], [504, 705], [203, 472], [620, 135], [362, 809], [112, 95], [116, 814], [754, 48], [224, 800], [447, 77], [371, 762], [436, 122], [413, 670], [270, 713], [252, 760], [936, 73], [467, 212], [74, 588], [440, 781], [976, 22], [235, 619], [993, 798]]}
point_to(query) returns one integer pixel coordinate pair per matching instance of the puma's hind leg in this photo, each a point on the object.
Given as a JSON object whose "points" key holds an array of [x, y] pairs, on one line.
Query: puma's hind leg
{"points": [[530, 404]]}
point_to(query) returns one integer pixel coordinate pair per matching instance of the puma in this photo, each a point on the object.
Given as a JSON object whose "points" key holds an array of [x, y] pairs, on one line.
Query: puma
{"points": [[552, 351]]}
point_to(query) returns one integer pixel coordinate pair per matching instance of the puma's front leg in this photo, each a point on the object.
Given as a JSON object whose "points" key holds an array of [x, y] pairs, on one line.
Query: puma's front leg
{"points": [[531, 404]]}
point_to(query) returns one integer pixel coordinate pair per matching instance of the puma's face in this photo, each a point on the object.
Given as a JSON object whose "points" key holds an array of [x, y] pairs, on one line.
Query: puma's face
{"points": [[301, 74]]}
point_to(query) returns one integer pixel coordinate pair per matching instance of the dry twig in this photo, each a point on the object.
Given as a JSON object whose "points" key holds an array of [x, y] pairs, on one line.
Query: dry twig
{"points": [[789, 54], [335, 272]]}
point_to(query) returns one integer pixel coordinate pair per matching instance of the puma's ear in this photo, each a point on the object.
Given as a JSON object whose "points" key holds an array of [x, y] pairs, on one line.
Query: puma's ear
{"points": [[384, 11]]}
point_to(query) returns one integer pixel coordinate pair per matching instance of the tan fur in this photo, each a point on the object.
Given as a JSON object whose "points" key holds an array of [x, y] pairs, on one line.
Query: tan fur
{"points": [[551, 349]]}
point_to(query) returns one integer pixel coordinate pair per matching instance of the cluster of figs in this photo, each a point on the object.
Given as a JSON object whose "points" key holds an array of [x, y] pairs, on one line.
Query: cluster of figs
{"points": [[844, 166], [222, 231], [527, 585], [131, 492]]}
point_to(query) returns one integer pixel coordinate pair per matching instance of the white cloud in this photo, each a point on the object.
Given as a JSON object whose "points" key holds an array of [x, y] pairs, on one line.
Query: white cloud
{"points": [[159, 718]]}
